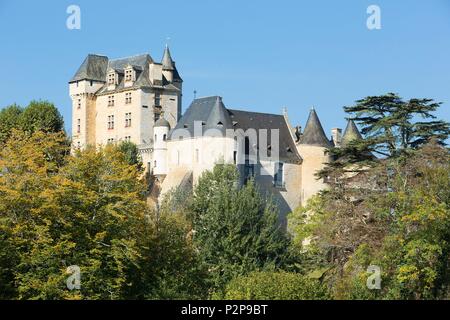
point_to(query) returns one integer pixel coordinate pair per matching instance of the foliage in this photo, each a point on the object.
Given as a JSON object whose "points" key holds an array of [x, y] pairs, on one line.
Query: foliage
{"points": [[275, 286], [235, 229], [131, 153], [41, 116], [58, 210], [400, 222], [9, 120]]}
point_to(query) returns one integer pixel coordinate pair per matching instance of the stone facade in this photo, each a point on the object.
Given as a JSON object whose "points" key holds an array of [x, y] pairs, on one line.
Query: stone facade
{"points": [[136, 99]]}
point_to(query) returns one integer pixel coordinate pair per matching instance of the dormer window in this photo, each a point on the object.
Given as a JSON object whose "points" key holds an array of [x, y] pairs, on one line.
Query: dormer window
{"points": [[111, 78], [129, 74]]}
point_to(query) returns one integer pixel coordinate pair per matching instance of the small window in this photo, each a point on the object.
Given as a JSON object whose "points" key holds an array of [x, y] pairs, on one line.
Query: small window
{"points": [[156, 138], [111, 101], [154, 164], [129, 75], [78, 125], [278, 176], [128, 119], [112, 78], [91, 83], [157, 99], [128, 98], [111, 122], [164, 137], [79, 104]]}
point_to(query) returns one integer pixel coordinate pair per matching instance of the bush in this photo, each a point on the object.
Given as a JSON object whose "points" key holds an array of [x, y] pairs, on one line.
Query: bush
{"points": [[275, 286]]}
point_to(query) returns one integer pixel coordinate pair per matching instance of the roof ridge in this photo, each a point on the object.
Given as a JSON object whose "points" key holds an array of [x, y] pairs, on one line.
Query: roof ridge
{"points": [[267, 113], [133, 56]]}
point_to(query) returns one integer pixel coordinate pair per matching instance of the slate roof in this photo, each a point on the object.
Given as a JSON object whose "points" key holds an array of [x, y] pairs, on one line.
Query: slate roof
{"points": [[93, 68], [314, 134], [213, 114], [351, 133], [167, 63]]}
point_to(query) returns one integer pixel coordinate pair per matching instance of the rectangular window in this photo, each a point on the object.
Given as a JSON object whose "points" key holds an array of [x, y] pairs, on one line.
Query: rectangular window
{"points": [[110, 101], [78, 125], [157, 99], [129, 75], [278, 176], [112, 78], [128, 119], [128, 98], [111, 122]]}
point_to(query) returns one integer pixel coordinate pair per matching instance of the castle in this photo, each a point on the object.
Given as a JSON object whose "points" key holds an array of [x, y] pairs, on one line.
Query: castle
{"points": [[139, 100]]}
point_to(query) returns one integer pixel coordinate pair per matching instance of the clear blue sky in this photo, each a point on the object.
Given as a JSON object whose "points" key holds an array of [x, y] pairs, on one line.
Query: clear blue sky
{"points": [[258, 55]]}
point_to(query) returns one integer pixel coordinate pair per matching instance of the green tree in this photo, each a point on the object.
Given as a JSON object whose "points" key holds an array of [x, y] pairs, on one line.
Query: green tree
{"points": [[131, 152], [235, 229], [41, 116], [391, 127], [83, 213], [9, 119], [395, 215], [275, 286]]}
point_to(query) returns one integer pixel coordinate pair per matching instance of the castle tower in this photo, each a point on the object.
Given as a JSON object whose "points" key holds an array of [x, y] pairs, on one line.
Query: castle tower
{"points": [[167, 65], [161, 134], [312, 148], [89, 78]]}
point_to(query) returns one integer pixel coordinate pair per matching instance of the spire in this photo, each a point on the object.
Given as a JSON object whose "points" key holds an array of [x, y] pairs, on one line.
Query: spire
{"points": [[351, 133], [167, 61], [314, 134]]}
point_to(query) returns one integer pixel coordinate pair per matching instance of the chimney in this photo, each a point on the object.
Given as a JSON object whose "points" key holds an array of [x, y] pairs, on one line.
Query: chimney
{"points": [[336, 135]]}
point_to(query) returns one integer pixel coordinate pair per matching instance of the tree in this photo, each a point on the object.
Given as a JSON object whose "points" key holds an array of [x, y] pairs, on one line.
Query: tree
{"points": [[390, 127], [394, 215], [275, 286], [85, 212], [236, 230], [131, 152], [9, 119], [41, 116]]}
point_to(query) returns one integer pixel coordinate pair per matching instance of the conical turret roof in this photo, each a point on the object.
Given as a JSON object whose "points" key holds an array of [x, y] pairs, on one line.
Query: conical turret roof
{"points": [[167, 62], [314, 134], [351, 133]]}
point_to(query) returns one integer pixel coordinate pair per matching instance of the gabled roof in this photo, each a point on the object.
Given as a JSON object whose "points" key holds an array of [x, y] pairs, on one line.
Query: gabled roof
{"points": [[93, 68], [314, 134], [351, 133]]}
